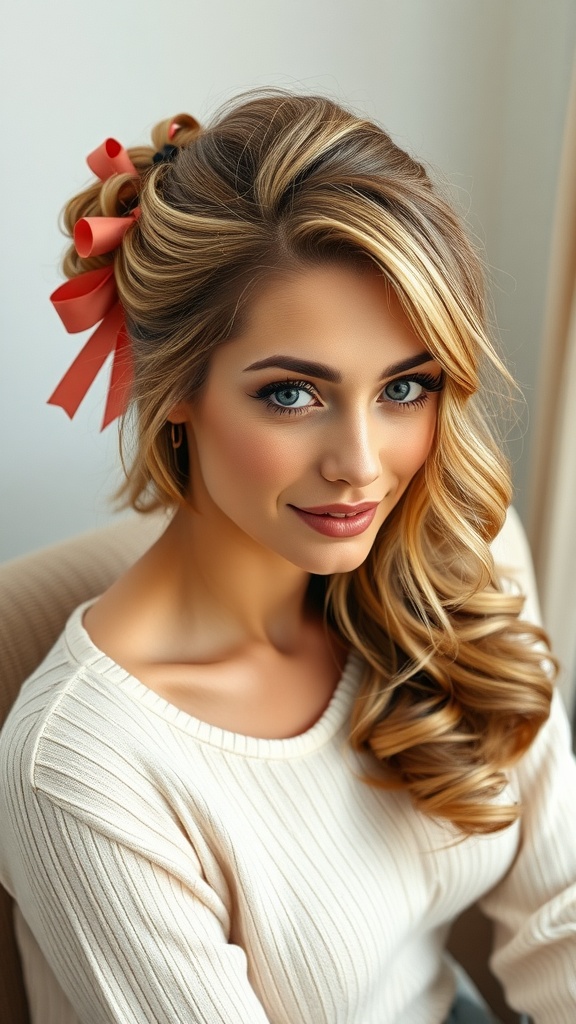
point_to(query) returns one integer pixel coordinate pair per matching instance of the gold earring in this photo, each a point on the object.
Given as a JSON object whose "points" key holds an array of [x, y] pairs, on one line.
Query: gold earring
{"points": [[176, 434]]}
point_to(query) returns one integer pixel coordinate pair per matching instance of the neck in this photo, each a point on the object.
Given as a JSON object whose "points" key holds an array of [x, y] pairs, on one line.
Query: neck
{"points": [[230, 588]]}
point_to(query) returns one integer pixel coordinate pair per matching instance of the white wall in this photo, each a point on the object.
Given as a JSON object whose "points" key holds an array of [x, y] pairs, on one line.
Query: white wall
{"points": [[475, 87]]}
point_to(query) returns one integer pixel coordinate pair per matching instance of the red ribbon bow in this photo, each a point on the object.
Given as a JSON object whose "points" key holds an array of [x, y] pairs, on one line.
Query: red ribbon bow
{"points": [[92, 297]]}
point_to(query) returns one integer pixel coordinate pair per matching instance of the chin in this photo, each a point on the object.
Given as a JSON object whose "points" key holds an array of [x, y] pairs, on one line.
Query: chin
{"points": [[330, 562]]}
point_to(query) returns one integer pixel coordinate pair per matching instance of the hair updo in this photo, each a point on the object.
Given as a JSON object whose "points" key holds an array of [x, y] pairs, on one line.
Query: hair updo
{"points": [[455, 686]]}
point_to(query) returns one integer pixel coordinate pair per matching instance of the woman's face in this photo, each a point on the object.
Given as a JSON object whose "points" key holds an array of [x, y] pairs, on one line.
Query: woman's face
{"points": [[328, 398]]}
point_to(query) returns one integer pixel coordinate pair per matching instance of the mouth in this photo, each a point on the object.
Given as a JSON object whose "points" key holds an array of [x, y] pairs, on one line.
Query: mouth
{"points": [[339, 510], [338, 522]]}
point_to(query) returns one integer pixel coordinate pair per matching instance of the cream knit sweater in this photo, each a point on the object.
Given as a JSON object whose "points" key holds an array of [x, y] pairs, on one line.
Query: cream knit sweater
{"points": [[170, 871]]}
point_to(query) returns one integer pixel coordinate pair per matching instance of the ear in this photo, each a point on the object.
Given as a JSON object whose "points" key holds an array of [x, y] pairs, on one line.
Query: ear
{"points": [[179, 413]]}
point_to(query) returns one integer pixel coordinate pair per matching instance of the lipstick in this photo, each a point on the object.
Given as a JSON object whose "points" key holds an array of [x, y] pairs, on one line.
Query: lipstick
{"points": [[338, 520]]}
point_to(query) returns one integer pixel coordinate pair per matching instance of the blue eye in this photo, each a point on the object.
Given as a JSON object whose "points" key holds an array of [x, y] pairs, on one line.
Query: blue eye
{"points": [[411, 392], [295, 396], [291, 397], [287, 395], [403, 391]]}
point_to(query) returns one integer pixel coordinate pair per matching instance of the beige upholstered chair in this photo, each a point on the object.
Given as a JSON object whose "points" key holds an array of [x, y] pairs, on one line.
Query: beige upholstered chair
{"points": [[37, 594]]}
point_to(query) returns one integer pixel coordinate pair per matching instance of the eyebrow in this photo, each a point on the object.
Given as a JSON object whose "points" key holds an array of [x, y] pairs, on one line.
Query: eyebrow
{"points": [[320, 370]]}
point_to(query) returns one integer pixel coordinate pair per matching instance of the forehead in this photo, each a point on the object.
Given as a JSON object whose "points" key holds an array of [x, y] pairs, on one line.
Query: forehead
{"points": [[336, 313]]}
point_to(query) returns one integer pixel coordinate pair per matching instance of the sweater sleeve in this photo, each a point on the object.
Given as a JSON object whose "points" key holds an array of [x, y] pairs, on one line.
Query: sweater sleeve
{"points": [[123, 912], [534, 906]]}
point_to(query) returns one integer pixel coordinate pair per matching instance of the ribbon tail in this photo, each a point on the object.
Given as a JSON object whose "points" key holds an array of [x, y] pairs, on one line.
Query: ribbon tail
{"points": [[77, 380], [120, 379]]}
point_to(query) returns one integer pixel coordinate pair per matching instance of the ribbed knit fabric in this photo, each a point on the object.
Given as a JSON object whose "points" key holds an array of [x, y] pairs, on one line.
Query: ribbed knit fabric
{"points": [[170, 871]]}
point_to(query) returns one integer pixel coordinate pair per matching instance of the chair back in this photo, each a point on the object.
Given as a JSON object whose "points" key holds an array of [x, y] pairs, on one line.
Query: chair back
{"points": [[37, 594]]}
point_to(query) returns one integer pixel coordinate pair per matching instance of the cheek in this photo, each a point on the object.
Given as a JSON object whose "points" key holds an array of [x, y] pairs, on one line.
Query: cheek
{"points": [[248, 455], [414, 443]]}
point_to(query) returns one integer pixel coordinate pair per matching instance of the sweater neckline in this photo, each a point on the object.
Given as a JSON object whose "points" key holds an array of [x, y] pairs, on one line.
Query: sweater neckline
{"points": [[333, 719]]}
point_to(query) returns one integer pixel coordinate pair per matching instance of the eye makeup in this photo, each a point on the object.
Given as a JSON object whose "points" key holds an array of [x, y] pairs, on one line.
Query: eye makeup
{"points": [[289, 388]]}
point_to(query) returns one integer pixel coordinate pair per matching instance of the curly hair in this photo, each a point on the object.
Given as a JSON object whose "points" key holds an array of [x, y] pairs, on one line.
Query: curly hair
{"points": [[456, 684]]}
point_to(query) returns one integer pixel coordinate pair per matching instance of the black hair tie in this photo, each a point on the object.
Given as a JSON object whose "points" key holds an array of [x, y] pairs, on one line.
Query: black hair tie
{"points": [[165, 154]]}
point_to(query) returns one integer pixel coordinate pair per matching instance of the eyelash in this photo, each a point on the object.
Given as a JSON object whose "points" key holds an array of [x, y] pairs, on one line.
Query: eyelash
{"points": [[269, 389], [426, 380]]}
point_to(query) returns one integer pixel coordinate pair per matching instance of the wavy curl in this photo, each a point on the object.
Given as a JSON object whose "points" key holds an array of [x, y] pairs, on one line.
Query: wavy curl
{"points": [[456, 685]]}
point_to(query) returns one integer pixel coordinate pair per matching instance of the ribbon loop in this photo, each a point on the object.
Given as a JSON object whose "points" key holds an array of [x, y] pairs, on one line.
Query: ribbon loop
{"points": [[182, 121], [110, 158], [94, 236], [84, 300]]}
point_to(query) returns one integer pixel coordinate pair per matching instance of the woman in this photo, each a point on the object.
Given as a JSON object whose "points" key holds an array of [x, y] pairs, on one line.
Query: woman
{"points": [[258, 778]]}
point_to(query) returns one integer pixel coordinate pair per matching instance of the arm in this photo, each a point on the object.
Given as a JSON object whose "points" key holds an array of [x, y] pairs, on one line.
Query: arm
{"points": [[110, 860], [534, 907], [131, 939]]}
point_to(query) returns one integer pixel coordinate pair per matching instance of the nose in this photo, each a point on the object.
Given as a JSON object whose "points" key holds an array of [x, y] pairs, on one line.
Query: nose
{"points": [[352, 452]]}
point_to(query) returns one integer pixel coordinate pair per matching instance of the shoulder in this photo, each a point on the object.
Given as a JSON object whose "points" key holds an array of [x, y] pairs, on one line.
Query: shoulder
{"points": [[513, 559], [550, 756], [74, 733], [80, 751], [511, 543], [35, 707]]}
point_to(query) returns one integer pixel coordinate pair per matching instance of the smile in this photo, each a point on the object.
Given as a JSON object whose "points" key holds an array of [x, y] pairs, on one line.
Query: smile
{"points": [[338, 524], [337, 515]]}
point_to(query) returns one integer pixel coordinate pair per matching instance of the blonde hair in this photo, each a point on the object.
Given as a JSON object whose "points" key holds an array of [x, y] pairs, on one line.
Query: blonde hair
{"points": [[455, 686]]}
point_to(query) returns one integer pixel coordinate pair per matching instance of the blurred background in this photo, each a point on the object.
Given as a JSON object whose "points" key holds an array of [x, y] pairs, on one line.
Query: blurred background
{"points": [[478, 89]]}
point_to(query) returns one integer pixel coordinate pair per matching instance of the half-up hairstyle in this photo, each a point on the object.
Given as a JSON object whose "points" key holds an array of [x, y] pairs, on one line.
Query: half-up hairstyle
{"points": [[455, 686]]}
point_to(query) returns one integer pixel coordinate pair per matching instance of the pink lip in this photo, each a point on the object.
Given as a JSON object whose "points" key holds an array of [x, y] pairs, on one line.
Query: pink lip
{"points": [[338, 528], [318, 510]]}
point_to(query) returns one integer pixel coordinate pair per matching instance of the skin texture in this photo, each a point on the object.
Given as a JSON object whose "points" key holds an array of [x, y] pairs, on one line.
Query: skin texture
{"points": [[213, 617], [252, 462]]}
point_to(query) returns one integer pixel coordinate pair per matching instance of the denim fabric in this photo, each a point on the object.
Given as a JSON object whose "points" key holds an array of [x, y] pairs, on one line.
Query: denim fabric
{"points": [[467, 1011]]}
